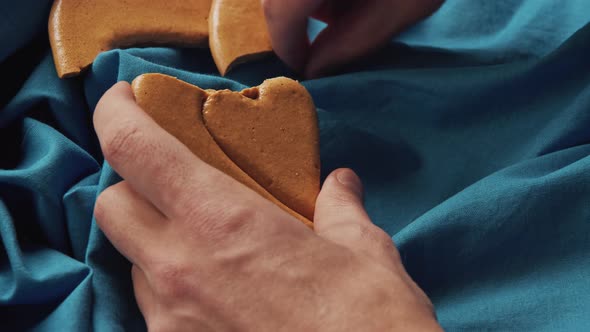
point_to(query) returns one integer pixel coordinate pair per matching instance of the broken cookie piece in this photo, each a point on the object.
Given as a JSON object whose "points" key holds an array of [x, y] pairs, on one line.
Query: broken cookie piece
{"points": [[80, 30], [238, 32], [281, 165], [271, 132]]}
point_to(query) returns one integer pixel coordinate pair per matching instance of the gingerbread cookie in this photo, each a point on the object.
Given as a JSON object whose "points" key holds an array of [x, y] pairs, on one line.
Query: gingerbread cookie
{"points": [[80, 29], [238, 32], [281, 165], [271, 132]]}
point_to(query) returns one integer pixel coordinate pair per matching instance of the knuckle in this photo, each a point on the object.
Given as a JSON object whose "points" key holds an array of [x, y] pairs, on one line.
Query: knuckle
{"points": [[216, 222], [100, 207], [106, 201], [170, 280], [103, 202], [238, 218], [384, 247], [380, 236], [119, 141]]}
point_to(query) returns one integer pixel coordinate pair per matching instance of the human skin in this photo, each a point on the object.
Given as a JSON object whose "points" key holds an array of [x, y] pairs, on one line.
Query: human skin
{"points": [[355, 28], [209, 254]]}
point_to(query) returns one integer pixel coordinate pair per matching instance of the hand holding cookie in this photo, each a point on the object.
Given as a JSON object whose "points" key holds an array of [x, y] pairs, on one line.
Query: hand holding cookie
{"points": [[210, 254], [355, 28]]}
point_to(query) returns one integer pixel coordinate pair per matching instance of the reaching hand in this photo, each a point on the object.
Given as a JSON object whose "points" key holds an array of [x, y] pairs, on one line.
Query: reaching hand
{"points": [[209, 254], [355, 28]]}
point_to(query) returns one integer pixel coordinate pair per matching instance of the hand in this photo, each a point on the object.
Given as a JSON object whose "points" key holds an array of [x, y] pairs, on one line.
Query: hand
{"points": [[355, 28], [209, 254]]}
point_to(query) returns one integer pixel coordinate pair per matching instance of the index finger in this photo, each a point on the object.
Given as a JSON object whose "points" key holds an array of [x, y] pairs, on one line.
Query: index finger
{"points": [[287, 26], [165, 171], [154, 162], [367, 26]]}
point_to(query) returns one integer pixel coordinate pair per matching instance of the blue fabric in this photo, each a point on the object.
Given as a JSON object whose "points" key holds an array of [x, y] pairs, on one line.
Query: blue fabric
{"points": [[471, 132]]}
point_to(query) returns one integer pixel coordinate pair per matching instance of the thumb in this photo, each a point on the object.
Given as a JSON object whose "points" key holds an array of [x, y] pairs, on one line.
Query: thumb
{"points": [[340, 217]]}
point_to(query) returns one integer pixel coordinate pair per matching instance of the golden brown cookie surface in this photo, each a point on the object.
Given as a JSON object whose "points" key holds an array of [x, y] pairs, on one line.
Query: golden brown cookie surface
{"points": [[178, 107], [271, 132], [80, 29], [238, 32]]}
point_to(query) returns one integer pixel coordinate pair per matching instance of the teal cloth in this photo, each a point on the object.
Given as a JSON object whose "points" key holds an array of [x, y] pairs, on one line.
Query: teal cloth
{"points": [[471, 133]]}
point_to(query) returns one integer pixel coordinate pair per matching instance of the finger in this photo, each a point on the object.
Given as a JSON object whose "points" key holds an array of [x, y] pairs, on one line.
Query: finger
{"points": [[172, 178], [154, 162], [144, 296], [331, 9], [363, 28], [130, 222], [341, 218], [287, 26]]}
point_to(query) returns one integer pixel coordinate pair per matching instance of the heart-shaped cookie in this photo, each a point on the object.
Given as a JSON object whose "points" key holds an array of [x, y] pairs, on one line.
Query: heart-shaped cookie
{"points": [[281, 160], [271, 132]]}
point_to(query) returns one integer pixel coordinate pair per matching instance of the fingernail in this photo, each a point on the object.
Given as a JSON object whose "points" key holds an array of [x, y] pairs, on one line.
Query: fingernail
{"points": [[350, 180]]}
